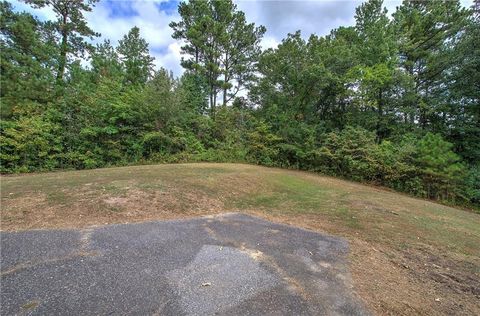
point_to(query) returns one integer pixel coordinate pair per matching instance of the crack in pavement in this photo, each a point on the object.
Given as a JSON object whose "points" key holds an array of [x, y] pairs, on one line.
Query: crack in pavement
{"points": [[82, 251]]}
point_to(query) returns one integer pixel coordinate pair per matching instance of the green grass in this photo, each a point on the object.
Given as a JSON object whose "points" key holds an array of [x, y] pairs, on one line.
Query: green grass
{"points": [[379, 215], [299, 194]]}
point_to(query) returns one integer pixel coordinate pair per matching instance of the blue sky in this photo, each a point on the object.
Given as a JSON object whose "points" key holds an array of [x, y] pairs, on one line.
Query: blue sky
{"points": [[114, 18]]}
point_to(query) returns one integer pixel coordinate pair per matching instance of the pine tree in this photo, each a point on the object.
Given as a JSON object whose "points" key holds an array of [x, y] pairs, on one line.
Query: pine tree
{"points": [[427, 32], [378, 57], [26, 63], [136, 60], [222, 47], [105, 61], [72, 28]]}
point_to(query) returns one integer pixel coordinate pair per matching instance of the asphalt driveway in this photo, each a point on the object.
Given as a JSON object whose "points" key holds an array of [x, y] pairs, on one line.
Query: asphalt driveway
{"points": [[232, 264]]}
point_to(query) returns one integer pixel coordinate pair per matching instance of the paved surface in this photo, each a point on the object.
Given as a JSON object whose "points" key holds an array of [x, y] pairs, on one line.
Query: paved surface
{"points": [[231, 264]]}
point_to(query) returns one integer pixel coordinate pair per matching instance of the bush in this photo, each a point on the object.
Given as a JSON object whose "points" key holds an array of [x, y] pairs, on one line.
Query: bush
{"points": [[262, 145], [472, 185], [349, 154], [29, 144], [439, 167]]}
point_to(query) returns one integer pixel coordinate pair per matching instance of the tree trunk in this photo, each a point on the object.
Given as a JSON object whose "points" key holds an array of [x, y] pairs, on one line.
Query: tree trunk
{"points": [[225, 92], [379, 116], [214, 99], [63, 50], [212, 109], [196, 60], [225, 80]]}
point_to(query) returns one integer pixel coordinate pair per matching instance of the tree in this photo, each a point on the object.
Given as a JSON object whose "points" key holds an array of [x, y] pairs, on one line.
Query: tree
{"points": [[136, 60], [159, 100], [192, 28], [105, 61], [439, 164], [378, 56], [72, 28], [464, 87], [193, 92], [427, 32], [196, 29], [29, 144], [262, 145], [338, 52], [375, 32], [284, 84], [222, 47], [26, 64], [240, 49], [306, 81]]}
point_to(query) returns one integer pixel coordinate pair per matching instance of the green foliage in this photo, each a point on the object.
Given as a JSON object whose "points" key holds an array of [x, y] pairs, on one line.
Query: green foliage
{"points": [[71, 27], [106, 62], [389, 101], [192, 91], [222, 48], [25, 62], [178, 141], [29, 144], [439, 166], [348, 154], [136, 60], [472, 185], [262, 145]]}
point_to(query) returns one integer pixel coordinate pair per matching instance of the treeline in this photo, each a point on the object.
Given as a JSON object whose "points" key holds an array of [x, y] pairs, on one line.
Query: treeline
{"points": [[393, 101]]}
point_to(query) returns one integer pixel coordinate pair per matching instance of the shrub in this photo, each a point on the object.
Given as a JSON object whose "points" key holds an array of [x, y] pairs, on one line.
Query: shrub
{"points": [[439, 167], [262, 145], [29, 144]]}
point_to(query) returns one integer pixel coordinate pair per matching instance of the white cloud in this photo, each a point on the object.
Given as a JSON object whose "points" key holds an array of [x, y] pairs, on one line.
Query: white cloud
{"points": [[283, 17], [152, 22], [42, 13], [171, 59], [113, 19], [269, 42]]}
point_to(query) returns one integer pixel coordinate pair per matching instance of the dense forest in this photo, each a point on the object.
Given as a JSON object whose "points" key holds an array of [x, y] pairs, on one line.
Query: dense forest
{"points": [[393, 100]]}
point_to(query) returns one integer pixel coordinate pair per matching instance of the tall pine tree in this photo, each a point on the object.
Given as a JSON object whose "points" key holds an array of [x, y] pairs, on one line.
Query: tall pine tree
{"points": [[71, 27], [136, 60], [222, 47]]}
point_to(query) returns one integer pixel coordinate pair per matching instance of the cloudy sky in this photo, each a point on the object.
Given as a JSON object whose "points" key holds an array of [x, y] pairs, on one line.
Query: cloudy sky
{"points": [[114, 18]]}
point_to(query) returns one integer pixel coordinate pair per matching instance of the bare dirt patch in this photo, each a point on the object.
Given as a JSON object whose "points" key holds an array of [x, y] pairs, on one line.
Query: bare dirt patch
{"points": [[85, 208]]}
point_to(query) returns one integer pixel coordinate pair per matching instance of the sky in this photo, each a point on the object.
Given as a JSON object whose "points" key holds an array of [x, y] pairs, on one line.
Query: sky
{"points": [[114, 18]]}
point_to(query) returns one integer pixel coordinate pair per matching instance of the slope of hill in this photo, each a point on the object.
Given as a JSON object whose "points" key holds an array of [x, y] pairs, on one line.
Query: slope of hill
{"points": [[408, 256]]}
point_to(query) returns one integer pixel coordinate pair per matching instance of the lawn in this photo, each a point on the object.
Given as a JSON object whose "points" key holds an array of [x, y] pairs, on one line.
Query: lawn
{"points": [[408, 256]]}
